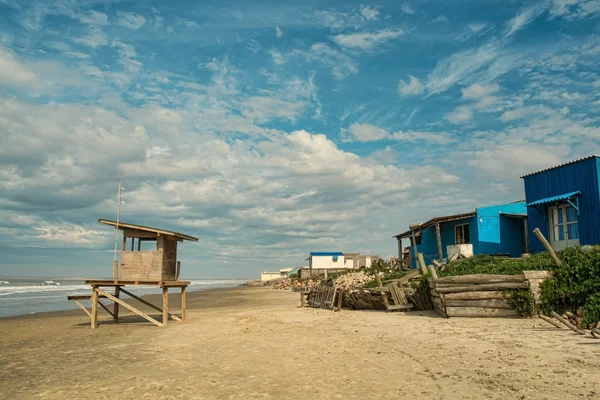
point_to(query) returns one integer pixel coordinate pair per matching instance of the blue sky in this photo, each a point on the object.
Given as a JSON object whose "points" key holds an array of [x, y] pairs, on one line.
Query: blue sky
{"points": [[271, 129]]}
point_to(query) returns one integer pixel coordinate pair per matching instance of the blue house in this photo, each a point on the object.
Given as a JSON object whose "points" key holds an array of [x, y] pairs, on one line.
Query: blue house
{"points": [[500, 229], [564, 203]]}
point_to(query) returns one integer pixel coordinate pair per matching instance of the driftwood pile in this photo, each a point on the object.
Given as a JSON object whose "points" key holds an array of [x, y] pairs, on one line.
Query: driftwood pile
{"points": [[475, 295]]}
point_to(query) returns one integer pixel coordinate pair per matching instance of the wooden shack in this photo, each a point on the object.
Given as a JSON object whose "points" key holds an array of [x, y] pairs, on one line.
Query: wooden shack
{"points": [[157, 265]]}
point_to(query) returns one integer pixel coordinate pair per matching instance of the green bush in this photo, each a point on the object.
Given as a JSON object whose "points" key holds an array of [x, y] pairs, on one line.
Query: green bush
{"points": [[484, 264], [521, 300]]}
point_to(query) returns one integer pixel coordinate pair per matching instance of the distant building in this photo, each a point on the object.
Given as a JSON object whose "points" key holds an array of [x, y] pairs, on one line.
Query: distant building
{"points": [[284, 271], [326, 260], [500, 229], [270, 276], [564, 203]]}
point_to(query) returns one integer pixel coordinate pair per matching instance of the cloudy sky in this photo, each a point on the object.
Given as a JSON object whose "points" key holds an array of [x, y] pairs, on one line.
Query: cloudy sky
{"points": [[270, 129]]}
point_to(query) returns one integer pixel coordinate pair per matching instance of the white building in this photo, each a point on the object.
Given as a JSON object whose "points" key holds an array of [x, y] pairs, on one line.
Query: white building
{"points": [[327, 260], [270, 276]]}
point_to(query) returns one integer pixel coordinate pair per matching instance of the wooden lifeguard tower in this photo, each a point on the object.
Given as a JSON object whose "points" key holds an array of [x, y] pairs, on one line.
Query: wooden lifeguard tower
{"points": [[156, 267]]}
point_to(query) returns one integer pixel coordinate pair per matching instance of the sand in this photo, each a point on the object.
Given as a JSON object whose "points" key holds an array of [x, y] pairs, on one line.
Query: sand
{"points": [[255, 343]]}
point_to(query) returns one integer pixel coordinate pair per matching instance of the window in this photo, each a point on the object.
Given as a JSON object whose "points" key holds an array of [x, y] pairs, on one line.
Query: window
{"points": [[462, 234], [335, 258], [564, 226]]}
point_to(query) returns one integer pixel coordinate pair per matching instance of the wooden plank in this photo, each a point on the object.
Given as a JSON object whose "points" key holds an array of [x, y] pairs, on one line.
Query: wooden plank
{"points": [[183, 303], [484, 287], [422, 263], [480, 278], [141, 300], [116, 305], [474, 295], [567, 323], [433, 273], [479, 312], [400, 307], [115, 270], [409, 276], [549, 248], [551, 321], [94, 316], [438, 239], [123, 282], [129, 307], [82, 297], [106, 308], [489, 303], [83, 308], [165, 304]]}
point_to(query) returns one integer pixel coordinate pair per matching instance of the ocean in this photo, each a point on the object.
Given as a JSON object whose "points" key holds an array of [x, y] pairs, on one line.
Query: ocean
{"points": [[22, 296]]}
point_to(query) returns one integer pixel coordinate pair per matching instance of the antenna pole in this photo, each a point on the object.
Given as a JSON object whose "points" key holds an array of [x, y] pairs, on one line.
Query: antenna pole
{"points": [[118, 216]]}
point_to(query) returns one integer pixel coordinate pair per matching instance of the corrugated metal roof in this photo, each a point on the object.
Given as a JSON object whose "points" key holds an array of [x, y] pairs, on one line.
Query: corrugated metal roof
{"points": [[433, 221], [561, 165], [326, 253], [553, 199]]}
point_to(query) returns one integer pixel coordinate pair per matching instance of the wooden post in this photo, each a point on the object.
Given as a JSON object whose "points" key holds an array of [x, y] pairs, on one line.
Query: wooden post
{"points": [[165, 306], [422, 263], [183, 303], [132, 242], [115, 271], [340, 299], [438, 238], [124, 242], [433, 273], [551, 321], [399, 249], [526, 235], [415, 250], [549, 248], [567, 323], [116, 305], [94, 307], [139, 244]]}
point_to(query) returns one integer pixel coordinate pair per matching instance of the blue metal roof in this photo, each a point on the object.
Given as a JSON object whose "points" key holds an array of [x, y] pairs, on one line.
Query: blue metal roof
{"points": [[554, 198], [561, 165], [326, 253]]}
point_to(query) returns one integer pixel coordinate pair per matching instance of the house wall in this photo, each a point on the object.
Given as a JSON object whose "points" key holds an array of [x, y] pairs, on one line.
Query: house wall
{"points": [[269, 276], [497, 233], [428, 244], [326, 262], [581, 176]]}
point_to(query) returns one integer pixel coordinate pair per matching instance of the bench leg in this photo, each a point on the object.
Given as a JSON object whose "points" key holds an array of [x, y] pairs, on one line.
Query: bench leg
{"points": [[165, 306], [94, 316], [116, 305], [183, 303]]}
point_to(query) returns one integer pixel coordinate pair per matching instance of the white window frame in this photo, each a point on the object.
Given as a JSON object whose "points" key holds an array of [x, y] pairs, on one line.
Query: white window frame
{"points": [[558, 244], [463, 233]]}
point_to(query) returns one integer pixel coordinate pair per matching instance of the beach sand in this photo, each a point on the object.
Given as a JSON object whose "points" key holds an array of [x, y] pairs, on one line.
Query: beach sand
{"points": [[255, 343]]}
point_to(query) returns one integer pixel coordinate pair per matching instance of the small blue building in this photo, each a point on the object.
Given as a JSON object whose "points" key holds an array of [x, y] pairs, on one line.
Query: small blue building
{"points": [[564, 203], [500, 229]]}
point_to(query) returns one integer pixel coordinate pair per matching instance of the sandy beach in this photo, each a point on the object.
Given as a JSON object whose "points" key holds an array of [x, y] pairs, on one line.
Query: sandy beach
{"points": [[255, 343]]}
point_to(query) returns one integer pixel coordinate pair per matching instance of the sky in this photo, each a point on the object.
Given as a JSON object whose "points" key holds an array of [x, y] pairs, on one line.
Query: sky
{"points": [[269, 129]]}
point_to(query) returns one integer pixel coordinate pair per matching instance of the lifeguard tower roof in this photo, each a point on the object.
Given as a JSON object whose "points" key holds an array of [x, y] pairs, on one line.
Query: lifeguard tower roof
{"points": [[126, 226]]}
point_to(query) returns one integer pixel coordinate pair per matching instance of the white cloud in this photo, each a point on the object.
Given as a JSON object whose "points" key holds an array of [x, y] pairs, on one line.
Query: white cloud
{"points": [[127, 56], [524, 18], [370, 13], [337, 21], [365, 40], [365, 133], [407, 9], [464, 65], [340, 63], [440, 18], [460, 115], [15, 73], [130, 20], [186, 22], [68, 234], [413, 86], [277, 57], [278, 32], [574, 9], [476, 27], [95, 37], [477, 91], [441, 138]]}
